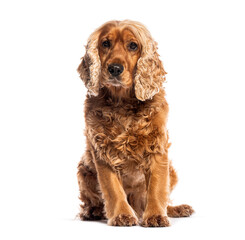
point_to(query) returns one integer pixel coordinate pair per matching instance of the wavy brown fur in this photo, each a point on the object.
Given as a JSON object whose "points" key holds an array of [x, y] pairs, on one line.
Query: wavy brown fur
{"points": [[125, 174]]}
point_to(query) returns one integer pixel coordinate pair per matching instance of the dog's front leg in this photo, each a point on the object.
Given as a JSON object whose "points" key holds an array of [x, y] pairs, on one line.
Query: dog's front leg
{"points": [[118, 211], [157, 180]]}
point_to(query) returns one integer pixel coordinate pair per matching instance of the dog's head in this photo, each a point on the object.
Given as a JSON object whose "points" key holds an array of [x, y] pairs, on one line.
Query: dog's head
{"points": [[122, 56]]}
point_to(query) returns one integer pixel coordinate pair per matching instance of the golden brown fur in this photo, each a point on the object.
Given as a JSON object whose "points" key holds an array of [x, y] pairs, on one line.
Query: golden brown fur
{"points": [[125, 175]]}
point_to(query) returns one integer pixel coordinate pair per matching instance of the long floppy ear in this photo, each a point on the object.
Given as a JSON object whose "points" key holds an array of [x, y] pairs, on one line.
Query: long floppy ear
{"points": [[150, 73], [90, 66]]}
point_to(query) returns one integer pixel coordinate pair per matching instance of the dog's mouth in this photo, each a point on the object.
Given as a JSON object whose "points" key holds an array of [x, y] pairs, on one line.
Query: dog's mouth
{"points": [[115, 82]]}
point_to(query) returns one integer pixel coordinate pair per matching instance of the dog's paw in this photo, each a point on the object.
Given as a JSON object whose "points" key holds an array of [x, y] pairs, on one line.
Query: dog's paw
{"points": [[92, 213], [123, 220], [183, 210], [156, 221]]}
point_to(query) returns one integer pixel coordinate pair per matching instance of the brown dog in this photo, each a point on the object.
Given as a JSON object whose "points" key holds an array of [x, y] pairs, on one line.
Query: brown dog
{"points": [[125, 174]]}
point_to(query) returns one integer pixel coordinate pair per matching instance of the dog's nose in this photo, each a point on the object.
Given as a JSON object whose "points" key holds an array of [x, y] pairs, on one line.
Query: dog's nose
{"points": [[115, 69]]}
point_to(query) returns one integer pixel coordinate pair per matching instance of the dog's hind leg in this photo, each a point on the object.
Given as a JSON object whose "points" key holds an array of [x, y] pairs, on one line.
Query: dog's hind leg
{"points": [[183, 210], [173, 177], [92, 207]]}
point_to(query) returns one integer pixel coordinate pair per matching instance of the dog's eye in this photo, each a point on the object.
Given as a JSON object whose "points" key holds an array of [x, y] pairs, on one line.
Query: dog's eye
{"points": [[132, 46], [106, 44]]}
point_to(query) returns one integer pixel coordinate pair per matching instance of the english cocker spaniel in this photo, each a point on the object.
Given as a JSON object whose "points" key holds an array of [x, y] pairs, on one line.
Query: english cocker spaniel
{"points": [[125, 174]]}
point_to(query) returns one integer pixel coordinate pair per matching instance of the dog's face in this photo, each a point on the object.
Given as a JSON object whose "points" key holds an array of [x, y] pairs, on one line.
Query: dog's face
{"points": [[119, 51], [122, 57]]}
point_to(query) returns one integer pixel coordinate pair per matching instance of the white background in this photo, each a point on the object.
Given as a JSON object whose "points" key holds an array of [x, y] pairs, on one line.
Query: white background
{"points": [[201, 44]]}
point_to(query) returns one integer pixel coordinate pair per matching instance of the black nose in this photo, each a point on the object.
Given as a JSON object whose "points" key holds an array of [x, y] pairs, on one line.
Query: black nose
{"points": [[115, 69]]}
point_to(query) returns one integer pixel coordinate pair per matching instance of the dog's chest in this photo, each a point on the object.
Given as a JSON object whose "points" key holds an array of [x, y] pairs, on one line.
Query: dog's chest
{"points": [[123, 137], [121, 125]]}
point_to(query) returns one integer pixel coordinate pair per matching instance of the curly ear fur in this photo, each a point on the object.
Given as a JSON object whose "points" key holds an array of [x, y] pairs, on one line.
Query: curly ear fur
{"points": [[90, 67], [150, 73]]}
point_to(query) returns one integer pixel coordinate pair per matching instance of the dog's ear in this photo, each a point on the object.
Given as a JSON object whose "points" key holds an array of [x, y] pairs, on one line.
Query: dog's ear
{"points": [[83, 69], [150, 73], [90, 66]]}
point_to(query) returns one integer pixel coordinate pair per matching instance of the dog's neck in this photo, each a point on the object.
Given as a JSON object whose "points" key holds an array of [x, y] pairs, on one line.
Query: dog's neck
{"points": [[109, 98], [118, 94]]}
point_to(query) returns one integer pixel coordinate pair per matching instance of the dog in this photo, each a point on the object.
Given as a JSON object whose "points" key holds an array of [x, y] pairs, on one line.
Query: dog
{"points": [[125, 175]]}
